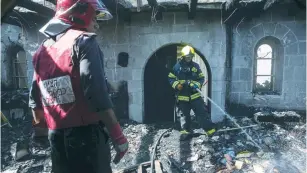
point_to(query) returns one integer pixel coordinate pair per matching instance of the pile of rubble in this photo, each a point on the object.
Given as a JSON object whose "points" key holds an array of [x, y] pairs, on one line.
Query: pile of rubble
{"points": [[283, 149], [14, 99], [14, 104], [19, 154], [230, 151]]}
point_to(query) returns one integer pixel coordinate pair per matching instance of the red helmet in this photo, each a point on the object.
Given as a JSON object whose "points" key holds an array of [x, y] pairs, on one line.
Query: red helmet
{"points": [[79, 13]]}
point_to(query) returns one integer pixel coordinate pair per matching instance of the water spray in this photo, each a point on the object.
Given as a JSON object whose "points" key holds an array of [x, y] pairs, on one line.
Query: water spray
{"points": [[232, 119]]}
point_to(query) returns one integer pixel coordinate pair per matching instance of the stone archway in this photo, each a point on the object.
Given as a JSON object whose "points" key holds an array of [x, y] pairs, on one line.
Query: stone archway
{"points": [[211, 44], [159, 96]]}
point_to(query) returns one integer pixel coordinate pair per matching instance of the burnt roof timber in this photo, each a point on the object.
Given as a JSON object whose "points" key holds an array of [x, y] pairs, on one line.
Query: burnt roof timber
{"points": [[26, 20], [7, 5], [38, 8], [192, 9]]}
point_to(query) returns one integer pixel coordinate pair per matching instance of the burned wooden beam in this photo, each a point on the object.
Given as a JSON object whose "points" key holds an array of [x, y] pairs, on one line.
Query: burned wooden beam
{"points": [[39, 8], [159, 15], [192, 9], [10, 20], [117, 8], [156, 12], [277, 117], [152, 3], [156, 9], [7, 5], [24, 19], [52, 1], [124, 3]]}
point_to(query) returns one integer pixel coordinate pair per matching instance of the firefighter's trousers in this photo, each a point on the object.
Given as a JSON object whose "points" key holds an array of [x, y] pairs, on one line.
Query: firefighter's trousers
{"points": [[80, 150], [202, 116]]}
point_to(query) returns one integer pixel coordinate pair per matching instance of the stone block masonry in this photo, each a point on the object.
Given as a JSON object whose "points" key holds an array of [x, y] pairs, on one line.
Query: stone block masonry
{"points": [[291, 33], [27, 39], [141, 38]]}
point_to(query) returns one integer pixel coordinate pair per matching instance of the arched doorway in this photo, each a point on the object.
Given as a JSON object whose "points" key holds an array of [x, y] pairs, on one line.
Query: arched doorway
{"points": [[159, 96]]}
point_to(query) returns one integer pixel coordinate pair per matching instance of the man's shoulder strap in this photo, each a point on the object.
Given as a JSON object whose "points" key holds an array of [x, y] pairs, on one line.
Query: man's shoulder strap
{"points": [[79, 32], [177, 67]]}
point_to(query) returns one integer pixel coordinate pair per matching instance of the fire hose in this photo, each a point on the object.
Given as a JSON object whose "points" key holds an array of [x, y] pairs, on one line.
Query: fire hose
{"points": [[227, 115], [231, 119], [154, 150]]}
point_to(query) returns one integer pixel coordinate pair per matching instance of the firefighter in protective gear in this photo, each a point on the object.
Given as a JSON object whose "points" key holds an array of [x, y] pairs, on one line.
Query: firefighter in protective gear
{"points": [[68, 74], [185, 79]]}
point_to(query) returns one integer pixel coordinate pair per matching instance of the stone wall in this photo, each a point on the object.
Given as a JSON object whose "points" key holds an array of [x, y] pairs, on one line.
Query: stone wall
{"points": [[9, 40], [13, 39], [290, 30], [141, 38]]}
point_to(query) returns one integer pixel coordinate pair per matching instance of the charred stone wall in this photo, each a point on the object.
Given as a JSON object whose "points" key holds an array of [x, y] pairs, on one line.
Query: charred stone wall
{"points": [[14, 103], [141, 38], [10, 39], [13, 40], [288, 26]]}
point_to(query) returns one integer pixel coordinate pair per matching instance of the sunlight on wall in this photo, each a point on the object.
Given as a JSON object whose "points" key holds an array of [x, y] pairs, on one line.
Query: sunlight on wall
{"points": [[203, 68]]}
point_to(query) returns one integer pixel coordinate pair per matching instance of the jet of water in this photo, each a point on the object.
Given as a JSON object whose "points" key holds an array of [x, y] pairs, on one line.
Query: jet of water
{"points": [[232, 119]]}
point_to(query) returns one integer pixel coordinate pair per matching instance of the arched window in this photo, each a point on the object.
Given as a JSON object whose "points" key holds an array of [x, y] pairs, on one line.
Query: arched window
{"points": [[268, 66], [264, 73], [20, 70]]}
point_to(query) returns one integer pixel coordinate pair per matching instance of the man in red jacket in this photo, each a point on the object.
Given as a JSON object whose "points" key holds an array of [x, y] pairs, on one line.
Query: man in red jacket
{"points": [[69, 91]]}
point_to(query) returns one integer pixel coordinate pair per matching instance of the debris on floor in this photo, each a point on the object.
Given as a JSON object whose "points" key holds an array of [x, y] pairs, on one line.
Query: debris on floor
{"points": [[14, 98], [20, 150], [277, 117], [283, 149], [193, 158]]}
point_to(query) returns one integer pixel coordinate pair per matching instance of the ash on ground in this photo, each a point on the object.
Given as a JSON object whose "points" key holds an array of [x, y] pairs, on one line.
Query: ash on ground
{"points": [[283, 149]]}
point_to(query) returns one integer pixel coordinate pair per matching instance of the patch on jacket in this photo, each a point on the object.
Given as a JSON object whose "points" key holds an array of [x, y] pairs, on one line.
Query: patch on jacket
{"points": [[57, 91]]}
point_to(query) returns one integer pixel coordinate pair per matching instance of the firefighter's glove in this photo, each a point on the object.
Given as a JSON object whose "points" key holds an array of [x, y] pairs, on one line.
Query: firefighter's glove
{"points": [[193, 85], [179, 87], [120, 142]]}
